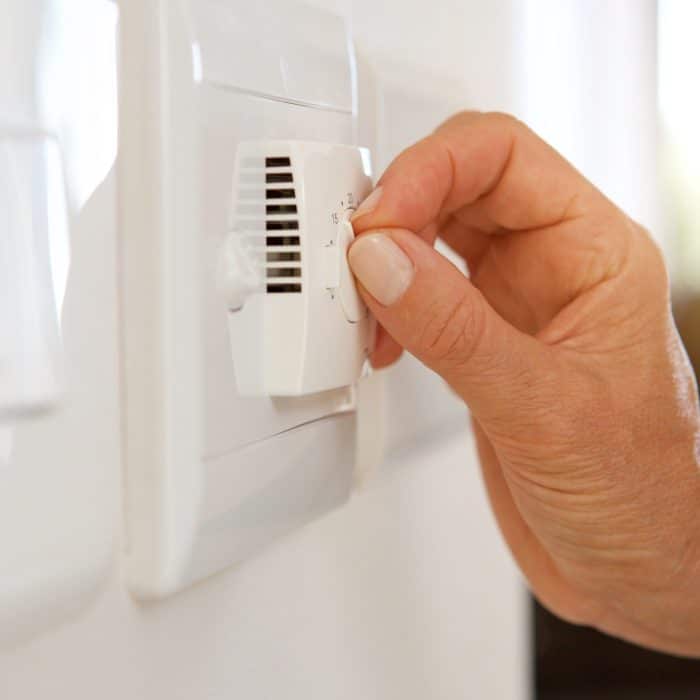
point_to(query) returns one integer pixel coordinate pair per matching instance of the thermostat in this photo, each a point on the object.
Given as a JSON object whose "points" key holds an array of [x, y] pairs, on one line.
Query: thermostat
{"points": [[297, 324]]}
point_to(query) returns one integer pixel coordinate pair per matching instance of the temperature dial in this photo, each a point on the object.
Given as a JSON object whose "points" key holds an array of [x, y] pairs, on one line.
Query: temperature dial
{"points": [[298, 325], [353, 306]]}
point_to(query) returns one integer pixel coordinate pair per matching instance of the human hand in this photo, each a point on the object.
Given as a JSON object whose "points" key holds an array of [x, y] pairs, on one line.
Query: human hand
{"points": [[562, 344]]}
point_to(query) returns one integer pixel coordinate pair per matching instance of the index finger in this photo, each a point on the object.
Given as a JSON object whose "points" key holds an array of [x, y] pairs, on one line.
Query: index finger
{"points": [[488, 170]]}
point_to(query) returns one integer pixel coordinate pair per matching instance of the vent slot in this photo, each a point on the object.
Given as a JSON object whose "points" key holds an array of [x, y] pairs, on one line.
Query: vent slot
{"points": [[280, 194], [283, 272], [287, 241], [278, 177], [284, 289], [280, 209], [291, 225], [283, 257], [278, 163]]}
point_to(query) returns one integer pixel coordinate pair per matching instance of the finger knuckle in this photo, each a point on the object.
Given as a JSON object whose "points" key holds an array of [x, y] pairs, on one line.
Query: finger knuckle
{"points": [[467, 117], [460, 118], [505, 120]]}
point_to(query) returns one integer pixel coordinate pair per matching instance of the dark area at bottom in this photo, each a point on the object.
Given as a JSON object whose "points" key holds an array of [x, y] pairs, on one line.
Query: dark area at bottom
{"points": [[579, 663]]}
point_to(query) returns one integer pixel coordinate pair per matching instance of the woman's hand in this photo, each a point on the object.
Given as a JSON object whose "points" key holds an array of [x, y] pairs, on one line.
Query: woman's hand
{"points": [[562, 344]]}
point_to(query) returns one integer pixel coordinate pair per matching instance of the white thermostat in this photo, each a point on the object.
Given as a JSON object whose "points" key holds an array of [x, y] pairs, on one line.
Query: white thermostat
{"points": [[296, 321]]}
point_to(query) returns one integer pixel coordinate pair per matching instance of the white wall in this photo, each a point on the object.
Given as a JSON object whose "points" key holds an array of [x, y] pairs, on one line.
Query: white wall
{"points": [[407, 592], [590, 89]]}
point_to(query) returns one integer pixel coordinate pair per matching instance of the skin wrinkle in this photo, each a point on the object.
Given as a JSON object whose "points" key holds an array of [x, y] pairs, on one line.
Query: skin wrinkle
{"points": [[506, 283], [433, 337], [452, 174], [566, 330]]}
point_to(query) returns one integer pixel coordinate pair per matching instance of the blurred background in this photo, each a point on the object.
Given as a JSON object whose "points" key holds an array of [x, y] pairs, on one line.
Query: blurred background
{"points": [[679, 139]]}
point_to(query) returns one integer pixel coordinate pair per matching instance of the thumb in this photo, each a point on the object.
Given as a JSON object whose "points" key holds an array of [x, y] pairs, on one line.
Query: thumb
{"points": [[432, 309]]}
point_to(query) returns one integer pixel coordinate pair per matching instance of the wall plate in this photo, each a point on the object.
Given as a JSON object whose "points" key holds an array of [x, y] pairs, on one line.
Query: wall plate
{"points": [[212, 475]]}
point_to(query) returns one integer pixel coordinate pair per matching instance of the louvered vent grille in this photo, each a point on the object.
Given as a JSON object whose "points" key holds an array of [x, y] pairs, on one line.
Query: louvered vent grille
{"points": [[270, 223], [283, 247]]}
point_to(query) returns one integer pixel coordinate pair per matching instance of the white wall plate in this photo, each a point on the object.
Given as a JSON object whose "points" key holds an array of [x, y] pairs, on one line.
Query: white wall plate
{"points": [[211, 475]]}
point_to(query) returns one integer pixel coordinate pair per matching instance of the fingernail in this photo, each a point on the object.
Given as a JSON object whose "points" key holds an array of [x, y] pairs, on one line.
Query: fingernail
{"points": [[369, 204], [384, 270]]}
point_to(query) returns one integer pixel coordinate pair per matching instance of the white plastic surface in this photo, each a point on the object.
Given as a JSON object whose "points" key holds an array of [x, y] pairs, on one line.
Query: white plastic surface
{"points": [[213, 475], [33, 251], [300, 329], [300, 54], [354, 308]]}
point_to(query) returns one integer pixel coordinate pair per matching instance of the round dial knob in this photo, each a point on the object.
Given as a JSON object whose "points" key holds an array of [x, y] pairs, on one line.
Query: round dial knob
{"points": [[353, 306]]}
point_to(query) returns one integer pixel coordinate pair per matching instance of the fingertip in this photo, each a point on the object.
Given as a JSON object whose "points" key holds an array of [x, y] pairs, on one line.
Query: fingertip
{"points": [[386, 350], [368, 205]]}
